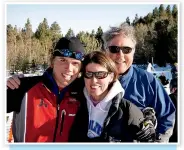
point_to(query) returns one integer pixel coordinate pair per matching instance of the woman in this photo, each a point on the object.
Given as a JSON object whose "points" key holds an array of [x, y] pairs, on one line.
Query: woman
{"points": [[104, 115]]}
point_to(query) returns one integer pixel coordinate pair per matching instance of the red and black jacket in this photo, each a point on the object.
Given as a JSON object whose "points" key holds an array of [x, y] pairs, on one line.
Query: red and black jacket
{"points": [[42, 113]]}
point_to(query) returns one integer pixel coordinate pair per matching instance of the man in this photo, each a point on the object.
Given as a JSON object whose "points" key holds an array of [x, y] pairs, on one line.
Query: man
{"points": [[141, 87], [47, 111]]}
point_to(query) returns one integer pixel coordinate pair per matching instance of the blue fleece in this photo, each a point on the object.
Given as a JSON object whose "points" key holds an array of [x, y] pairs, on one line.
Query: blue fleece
{"points": [[144, 90], [54, 86]]}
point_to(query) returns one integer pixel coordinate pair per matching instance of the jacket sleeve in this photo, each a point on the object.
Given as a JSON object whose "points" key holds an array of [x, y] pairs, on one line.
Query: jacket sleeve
{"points": [[14, 97], [133, 118], [135, 115], [162, 103]]}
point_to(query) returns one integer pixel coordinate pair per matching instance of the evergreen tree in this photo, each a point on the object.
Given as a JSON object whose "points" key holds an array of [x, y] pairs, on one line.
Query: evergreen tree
{"points": [[55, 32], [27, 34], [175, 12], [148, 19], [162, 12], [161, 9], [28, 29], [43, 30], [128, 20], [156, 37], [155, 13], [168, 11], [143, 47], [93, 33], [70, 33], [43, 34], [98, 36], [161, 47], [90, 42], [135, 20], [11, 48], [173, 44]]}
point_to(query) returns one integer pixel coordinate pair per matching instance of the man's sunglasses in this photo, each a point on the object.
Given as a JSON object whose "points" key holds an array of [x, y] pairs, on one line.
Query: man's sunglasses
{"points": [[68, 53], [98, 75], [116, 49]]}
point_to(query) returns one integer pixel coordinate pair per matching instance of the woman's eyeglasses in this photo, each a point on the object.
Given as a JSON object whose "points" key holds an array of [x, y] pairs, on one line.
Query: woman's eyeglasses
{"points": [[98, 75], [68, 53], [116, 49]]}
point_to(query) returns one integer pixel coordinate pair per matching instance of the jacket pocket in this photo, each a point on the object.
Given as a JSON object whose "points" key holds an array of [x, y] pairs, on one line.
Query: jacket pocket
{"points": [[67, 117]]}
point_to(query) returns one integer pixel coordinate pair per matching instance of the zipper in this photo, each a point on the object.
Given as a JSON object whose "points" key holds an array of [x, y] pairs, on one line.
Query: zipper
{"points": [[57, 120], [63, 113], [59, 96]]}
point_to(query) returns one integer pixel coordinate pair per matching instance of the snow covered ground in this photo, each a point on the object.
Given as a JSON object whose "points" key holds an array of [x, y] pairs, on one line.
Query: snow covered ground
{"points": [[9, 137]]}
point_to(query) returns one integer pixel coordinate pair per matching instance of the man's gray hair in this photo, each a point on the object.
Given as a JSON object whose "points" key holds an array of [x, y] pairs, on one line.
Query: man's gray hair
{"points": [[124, 29]]}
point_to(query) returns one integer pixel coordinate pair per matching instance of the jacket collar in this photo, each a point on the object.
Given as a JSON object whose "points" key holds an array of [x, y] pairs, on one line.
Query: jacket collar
{"points": [[127, 75], [114, 107], [51, 85], [124, 79], [104, 103]]}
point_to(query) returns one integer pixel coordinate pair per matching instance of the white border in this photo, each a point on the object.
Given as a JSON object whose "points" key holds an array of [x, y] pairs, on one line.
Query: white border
{"points": [[3, 74], [90, 2], [5, 41], [179, 73], [101, 3]]}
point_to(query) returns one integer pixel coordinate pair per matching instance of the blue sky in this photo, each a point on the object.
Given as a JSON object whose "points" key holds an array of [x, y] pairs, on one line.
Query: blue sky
{"points": [[80, 17]]}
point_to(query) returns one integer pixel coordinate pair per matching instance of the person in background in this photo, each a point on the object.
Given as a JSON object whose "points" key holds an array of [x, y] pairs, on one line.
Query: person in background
{"points": [[164, 82], [104, 115], [174, 70], [174, 98], [140, 86], [45, 107]]}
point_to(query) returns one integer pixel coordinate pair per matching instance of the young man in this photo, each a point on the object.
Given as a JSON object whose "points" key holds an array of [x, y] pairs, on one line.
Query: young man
{"points": [[40, 115]]}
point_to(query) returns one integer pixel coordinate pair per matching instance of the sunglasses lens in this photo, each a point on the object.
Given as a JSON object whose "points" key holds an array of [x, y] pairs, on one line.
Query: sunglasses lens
{"points": [[88, 75], [114, 49], [126, 50], [98, 75], [101, 74]]}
